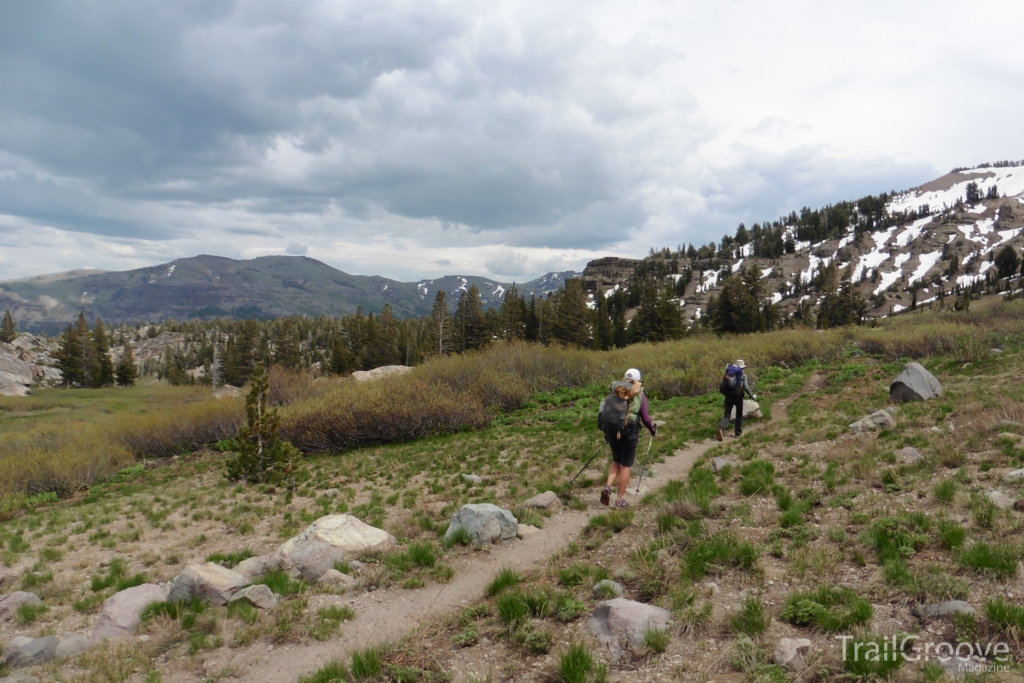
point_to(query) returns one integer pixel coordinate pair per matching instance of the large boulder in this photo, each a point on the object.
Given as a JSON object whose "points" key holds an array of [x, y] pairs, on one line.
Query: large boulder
{"points": [[330, 539], [9, 604], [16, 375], [208, 582], [485, 523], [378, 373], [36, 651], [880, 419], [751, 411], [119, 615], [253, 567], [621, 622], [915, 383]]}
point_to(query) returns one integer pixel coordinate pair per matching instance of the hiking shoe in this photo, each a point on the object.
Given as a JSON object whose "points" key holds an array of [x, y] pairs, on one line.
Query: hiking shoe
{"points": [[718, 433], [606, 495], [621, 504]]}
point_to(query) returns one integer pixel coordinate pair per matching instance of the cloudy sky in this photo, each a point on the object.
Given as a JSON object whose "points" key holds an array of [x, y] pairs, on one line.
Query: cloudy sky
{"points": [[415, 139]]}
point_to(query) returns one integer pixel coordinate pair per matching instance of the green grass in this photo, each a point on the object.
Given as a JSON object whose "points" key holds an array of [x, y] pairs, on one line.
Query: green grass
{"points": [[868, 659], [279, 582], [757, 477], [117, 577], [752, 620], [720, 552], [1007, 617], [332, 672], [366, 664], [999, 560], [616, 520], [27, 614], [828, 609], [577, 665], [230, 559], [505, 578]]}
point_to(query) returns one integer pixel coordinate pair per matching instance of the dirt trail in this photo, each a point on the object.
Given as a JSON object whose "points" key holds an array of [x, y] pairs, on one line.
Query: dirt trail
{"points": [[387, 615]]}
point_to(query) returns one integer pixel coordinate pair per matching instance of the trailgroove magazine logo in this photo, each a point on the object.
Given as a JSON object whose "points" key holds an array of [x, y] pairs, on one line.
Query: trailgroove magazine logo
{"points": [[970, 657]]}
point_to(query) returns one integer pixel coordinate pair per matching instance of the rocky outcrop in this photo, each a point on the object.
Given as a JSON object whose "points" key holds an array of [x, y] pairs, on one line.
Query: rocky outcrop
{"points": [[16, 375], [119, 615], [621, 622], [915, 383], [330, 539], [208, 582], [378, 373], [484, 522]]}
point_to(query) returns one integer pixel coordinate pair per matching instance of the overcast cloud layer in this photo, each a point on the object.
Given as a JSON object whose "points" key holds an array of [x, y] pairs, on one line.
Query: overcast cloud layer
{"points": [[414, 139]]}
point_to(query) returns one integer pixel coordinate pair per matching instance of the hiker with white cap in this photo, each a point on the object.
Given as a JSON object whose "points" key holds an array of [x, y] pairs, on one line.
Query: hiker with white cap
{"points": [[620, 416], [734, 385]]}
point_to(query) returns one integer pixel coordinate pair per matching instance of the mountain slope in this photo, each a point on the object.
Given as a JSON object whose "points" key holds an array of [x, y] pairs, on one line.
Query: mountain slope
{"points": [[210, 286]]}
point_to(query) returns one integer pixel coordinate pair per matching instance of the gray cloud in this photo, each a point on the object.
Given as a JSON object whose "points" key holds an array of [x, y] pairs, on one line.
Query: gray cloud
{"points": [[148, 131], [297, 249]]}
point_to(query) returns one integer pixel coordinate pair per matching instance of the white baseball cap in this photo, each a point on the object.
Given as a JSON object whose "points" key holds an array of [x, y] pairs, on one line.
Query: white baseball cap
{"points": [[633, 375]]}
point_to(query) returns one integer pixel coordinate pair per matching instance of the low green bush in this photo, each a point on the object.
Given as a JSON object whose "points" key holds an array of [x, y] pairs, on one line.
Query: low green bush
{"points": [[827, 609]]}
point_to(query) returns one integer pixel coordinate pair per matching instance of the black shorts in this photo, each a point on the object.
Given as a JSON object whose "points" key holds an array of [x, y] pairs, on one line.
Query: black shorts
{"points": [[624, 449]]}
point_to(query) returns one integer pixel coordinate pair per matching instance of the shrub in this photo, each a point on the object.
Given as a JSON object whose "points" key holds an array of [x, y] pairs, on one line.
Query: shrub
{"points": [[828, 609], [900, 536], [261, 457]]}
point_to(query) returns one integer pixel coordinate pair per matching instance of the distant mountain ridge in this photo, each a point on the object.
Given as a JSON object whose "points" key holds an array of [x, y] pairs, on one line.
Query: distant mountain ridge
{"points": [[214, 286]]}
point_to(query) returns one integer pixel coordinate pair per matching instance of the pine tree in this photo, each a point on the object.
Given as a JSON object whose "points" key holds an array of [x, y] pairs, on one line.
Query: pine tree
{"points": [[441, 324], [389, 338], [572, 318], [513, 315], [87, 351], [1007, 261], [69, 357], [470, 331], [342, 362], [262, 457], [102, 373], [126, 371], [604, 328], [8, 330], [286, 346]]}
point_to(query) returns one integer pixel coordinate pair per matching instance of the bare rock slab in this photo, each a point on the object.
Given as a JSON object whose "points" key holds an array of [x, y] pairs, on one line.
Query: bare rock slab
{"points": [[330, 539], [484, 522], [789, 653], [915, 383], [258, 596], [880, 419], [208, 582], [942, 610], [36, 651], [9, 604], [119, 615], [621, 622], [543, 501]]}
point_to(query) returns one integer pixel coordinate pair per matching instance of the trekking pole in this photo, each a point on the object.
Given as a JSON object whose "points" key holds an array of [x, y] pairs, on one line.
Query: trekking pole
{"points": [[644, 466], [599, 448]]}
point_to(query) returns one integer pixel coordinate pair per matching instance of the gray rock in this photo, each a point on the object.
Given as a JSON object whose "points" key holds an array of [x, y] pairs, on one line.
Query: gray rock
{"points": [[718, 463], [330, 539], [14, 643], [356, 566], [252, 568], [1013, 424], [257, 596], [526, 530], [1014, 475], [332, 577], [995, 351], [209, 582], [120, 612], [332, 493], [621, 622], [36, 651], [915, 383], [473, 478], [789, 653], [602, 588], [543, 501], [380, 373], [9, 604], [751, 411], [16, 375], [908, 454], [942, 610], [19, 678], [878, 419], [73, 646], [485, 523], [1000, 499]]}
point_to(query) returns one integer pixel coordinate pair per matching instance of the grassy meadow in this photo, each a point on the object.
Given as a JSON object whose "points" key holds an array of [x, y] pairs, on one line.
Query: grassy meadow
{"points": [[110, 488]]}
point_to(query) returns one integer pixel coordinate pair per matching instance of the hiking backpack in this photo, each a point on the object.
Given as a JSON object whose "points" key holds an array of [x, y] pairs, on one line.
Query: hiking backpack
{"points": [[613, 414], [731, 384]]}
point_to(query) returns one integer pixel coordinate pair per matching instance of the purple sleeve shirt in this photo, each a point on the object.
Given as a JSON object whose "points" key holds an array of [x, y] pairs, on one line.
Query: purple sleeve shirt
{"points": [[644, 415]]}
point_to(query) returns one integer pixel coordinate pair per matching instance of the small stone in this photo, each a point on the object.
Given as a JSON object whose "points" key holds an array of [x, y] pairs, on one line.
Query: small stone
{"points": [[995, 351], [120, 612], [1012, 424], [620, 621], [356, 566], [9, 604], [473, 478], [718, 464], [258, 596], [942, 610], [543, 501], [876, 420], [332, 493], [1014, 475], [603, 590], [484, 522], [526, 530], [19, 678], [908, 454], [1000, 499], [332, 577], [789, 653]]}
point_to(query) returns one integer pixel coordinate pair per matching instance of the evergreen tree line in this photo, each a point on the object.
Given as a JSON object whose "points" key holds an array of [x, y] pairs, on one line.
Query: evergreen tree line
{"points": [[83, 357]]}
